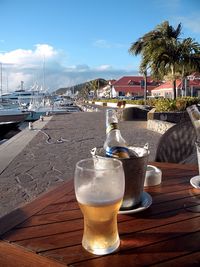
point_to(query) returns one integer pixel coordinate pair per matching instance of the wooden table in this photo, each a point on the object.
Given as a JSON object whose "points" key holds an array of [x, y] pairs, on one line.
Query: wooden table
{"points": [[48, 231]]}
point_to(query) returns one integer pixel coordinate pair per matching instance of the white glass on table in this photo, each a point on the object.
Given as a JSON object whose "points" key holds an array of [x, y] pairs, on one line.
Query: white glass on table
{"points": [[194, 114], [198, 154], [193, 205], [99, 188]]}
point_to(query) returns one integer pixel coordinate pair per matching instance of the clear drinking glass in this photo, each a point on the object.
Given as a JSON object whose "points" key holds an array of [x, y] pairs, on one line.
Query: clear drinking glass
{"points": [[99, 188], [193, 205], [198, 153]]}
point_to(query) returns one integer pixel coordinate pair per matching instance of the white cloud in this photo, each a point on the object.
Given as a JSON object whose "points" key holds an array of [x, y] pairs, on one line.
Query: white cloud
{"points": [[45, 50], [22, 56], [28, 66], [104, 67], [77, 68]]}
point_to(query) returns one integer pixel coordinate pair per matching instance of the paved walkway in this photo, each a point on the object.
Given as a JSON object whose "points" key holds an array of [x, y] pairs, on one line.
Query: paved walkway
{"points": [[50, 157]]}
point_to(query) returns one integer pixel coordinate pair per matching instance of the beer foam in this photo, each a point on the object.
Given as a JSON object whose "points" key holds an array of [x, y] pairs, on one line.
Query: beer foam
{"points": [[95, 195]]}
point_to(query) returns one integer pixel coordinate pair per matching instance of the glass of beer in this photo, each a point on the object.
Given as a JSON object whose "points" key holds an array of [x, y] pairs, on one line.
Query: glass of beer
{"points": [[99, 188]]}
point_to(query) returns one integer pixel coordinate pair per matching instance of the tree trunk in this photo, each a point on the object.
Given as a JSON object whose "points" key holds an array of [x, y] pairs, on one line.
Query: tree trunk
{"points": [[145, 87], [174, 81], [174, 89]]}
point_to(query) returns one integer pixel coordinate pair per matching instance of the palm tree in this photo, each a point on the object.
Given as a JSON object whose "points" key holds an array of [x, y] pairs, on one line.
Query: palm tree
{"points": [[165, 59], [178, 58], [85, 91], [190, 58], [159, 51], [94, 85], [145, 85]]}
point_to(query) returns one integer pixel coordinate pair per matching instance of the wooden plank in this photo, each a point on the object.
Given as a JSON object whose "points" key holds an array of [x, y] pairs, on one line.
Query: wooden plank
{"points": [[159, 198], [145, 236], [61, 216], [14, 256], [137, 240], [191, 259], [173, 188], [63, 199], [146, 255], [58, 213], [64, 206], [64, 226], [54, 241], [167, 165], [41, 231], [70, 203], [155, 221], [137, 224], [45, 219], [71, 254], [21, 214]]}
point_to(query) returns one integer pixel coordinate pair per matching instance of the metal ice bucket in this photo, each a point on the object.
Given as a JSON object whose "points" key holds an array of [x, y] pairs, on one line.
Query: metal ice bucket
{"points": [[135, 170]]}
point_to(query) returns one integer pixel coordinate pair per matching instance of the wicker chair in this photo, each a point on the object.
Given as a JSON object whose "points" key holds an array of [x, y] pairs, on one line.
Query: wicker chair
{"points": [[177, 144]]}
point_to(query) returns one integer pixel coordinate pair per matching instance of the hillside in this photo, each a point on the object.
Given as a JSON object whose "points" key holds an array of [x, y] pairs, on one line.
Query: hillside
{"points": [[80, 87]]}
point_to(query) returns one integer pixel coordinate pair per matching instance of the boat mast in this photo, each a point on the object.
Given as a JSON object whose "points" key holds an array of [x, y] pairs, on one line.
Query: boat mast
{"points": [[1, 88], [22, 85], [7, 81], [44, 85]]}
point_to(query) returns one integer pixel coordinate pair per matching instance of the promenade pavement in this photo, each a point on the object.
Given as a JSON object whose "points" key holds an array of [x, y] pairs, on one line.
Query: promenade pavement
{"points": [[50, 157]]}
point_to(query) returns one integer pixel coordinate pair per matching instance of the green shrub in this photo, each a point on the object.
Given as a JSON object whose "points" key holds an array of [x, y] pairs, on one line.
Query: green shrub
{"points": [[165, 104], [191, 100], [180, 104], [162, 104]]}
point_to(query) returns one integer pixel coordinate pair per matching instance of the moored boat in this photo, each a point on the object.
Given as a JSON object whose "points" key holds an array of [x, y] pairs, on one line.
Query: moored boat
{"points": [[10, 120], [13, 115]]}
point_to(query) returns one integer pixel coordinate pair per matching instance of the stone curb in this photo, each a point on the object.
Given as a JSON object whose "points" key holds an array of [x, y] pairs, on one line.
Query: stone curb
{"points": [[11, 148]]}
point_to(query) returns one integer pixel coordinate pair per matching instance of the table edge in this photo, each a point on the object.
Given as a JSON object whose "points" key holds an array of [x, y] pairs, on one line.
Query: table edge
{"points": [[21, 214]]}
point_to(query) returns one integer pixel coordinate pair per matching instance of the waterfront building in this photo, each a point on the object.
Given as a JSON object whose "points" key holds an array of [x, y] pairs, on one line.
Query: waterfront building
{"points": [[189, 86], [130, 87]]}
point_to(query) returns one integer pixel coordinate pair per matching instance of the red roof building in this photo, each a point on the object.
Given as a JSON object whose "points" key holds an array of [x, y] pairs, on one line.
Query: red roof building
{"points": [[187, 87], [132, 86]]}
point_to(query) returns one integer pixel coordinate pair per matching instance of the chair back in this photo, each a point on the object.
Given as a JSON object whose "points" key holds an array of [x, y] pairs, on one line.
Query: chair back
{"points": [[177, 144]]}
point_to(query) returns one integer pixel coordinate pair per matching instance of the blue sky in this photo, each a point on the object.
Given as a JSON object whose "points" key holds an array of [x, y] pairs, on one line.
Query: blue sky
{"points": [[80, 40]]}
